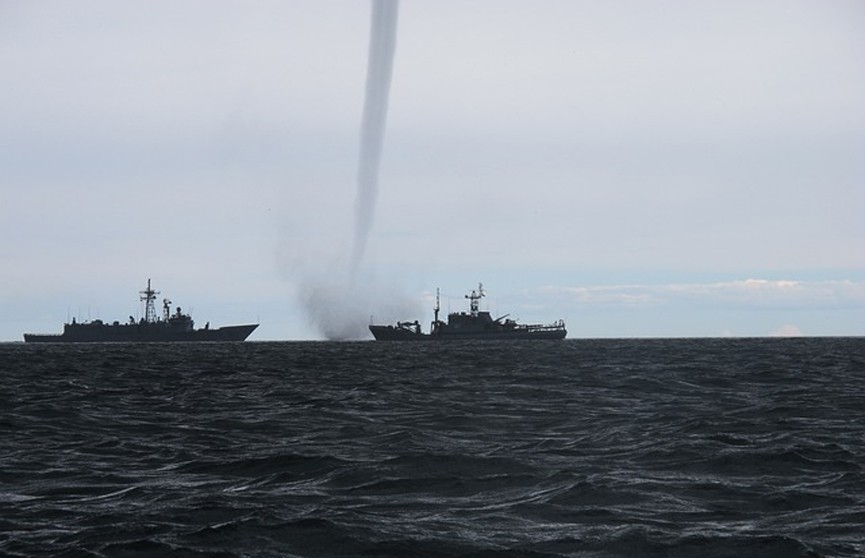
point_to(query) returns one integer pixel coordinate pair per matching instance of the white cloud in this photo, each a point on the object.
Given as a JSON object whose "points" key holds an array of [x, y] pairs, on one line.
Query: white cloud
{"points": [[748, 292]]}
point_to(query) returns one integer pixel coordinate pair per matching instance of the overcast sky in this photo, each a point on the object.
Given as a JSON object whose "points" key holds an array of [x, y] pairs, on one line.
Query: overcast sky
{"points": [[668, 168]]}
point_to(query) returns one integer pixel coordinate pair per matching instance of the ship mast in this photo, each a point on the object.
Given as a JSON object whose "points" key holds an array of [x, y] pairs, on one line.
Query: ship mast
{"points": [[149, 297], [475, 297]]}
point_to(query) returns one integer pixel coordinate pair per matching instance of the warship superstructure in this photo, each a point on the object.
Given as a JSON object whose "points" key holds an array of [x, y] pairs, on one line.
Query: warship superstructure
{"points": [[474, 324], [170, 327]]}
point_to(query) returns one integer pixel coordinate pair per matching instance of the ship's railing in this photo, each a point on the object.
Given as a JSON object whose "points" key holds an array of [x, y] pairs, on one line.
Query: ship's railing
{"points": [[555, 326]]}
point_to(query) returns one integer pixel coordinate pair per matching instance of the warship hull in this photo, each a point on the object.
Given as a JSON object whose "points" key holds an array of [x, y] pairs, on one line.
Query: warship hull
{"points": [[140, 333], [392, 333]]}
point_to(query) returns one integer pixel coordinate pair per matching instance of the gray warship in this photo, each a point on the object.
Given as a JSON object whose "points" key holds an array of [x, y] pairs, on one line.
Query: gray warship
{"points": [[171, 327], [474, 325]]}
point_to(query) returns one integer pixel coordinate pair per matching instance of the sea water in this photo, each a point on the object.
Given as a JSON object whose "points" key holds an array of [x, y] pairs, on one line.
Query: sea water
{"points": [[588, 448]]}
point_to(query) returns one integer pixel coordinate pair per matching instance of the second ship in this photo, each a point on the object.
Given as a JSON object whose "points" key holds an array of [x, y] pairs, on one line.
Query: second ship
{"points": [[474, 325]]}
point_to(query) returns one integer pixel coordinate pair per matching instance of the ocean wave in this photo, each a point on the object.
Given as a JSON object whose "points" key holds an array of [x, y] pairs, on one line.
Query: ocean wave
{"points": [[716, 448]]}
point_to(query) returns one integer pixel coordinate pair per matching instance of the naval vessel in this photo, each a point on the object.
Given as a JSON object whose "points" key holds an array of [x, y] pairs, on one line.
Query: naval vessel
{"points": [[474, 324], [170, 327]]}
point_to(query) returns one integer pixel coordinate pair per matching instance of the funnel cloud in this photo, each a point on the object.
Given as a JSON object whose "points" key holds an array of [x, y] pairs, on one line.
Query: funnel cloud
{"points": [[382, 45], [333, 301]]}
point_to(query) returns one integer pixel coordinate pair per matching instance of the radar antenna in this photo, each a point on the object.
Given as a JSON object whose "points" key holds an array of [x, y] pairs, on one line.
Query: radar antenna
{"points": [[475, 297]]}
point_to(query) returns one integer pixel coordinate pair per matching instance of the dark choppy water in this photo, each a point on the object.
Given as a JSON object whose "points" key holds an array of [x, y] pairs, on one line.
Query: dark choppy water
{"points": [[709, 448]]}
